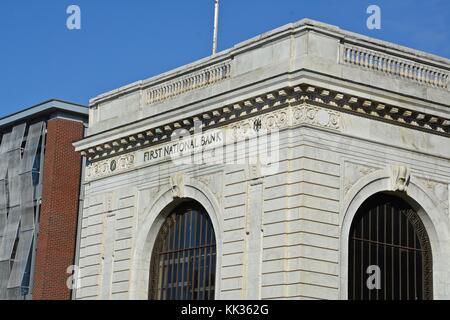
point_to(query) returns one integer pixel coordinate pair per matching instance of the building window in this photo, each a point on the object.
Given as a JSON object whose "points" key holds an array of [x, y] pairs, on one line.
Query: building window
{"points": [[388, 236], [183, 263]]}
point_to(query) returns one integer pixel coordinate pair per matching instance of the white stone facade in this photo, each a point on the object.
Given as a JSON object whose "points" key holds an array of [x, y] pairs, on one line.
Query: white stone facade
{"points": [[354, 116]]}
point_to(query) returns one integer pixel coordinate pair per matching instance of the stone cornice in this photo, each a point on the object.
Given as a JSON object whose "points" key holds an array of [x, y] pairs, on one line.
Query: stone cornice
{"points": [[272, 101], [248, 129]]}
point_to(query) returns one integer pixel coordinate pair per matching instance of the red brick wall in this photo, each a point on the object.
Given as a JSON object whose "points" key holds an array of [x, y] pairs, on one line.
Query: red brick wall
{"points": [[59, 211]]}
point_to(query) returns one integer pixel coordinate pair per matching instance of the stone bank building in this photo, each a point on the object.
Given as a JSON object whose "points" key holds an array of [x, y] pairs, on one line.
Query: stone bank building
{"points": [[356, 183]]}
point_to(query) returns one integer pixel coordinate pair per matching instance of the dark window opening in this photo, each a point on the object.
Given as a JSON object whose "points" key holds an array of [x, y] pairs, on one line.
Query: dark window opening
{"points": [[183, 263], [386, 232]]}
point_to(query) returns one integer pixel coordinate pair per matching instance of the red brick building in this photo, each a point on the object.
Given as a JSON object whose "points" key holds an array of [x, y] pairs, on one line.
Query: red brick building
{"points": [[40, 177]]}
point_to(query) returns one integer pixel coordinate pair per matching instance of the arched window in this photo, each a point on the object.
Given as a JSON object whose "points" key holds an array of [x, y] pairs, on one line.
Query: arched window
{"points": [[183, 263], [389, 252]]}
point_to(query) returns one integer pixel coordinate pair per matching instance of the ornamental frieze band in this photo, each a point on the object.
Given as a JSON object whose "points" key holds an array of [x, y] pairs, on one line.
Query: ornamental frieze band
{"points": [[270, 122], [110, 166]]}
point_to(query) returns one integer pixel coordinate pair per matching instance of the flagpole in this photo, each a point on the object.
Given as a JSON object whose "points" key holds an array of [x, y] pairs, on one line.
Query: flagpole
{"points": [[216, 25]]}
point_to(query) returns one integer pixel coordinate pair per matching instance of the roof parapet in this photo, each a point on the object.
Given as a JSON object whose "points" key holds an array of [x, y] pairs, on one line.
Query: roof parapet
{"points": [[357, 50]]}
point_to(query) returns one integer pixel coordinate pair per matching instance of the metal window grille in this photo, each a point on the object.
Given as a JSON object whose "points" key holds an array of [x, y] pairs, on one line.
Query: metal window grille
{"points": [[388, 233], [183, 263]]}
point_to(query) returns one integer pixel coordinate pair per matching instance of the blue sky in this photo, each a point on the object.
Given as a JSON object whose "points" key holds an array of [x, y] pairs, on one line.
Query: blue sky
{"points": [[122, 41]]}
